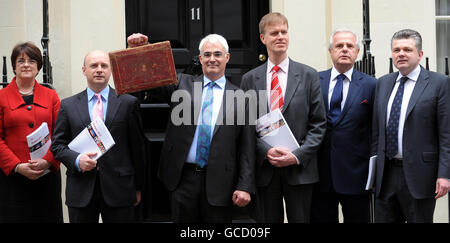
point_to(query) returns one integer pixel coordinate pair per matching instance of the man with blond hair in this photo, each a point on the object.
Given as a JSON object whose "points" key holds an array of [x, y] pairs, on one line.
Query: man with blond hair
{"points": [[294, 88]]}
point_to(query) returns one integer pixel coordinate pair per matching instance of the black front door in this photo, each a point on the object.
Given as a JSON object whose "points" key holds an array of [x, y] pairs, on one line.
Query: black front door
{"points": [[184, 23]]}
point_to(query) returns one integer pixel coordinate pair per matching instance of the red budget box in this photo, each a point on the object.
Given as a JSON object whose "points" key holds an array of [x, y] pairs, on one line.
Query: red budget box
{"points": [[142, 68]]}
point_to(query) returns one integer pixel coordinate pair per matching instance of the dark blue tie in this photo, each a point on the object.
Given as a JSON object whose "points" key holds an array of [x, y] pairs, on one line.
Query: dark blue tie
{"points": [[394, 118], [336, 100], [204, 129]]}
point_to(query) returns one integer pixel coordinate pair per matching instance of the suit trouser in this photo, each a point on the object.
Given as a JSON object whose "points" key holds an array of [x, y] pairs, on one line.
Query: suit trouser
{"points": [[325, 207], [270, 201], [395, 204], [189, 201], [97, 206]]}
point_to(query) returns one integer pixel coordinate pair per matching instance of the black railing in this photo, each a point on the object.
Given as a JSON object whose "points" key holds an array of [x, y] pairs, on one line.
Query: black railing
{"points": [[5, 74], [47, 66], [427, 65]]}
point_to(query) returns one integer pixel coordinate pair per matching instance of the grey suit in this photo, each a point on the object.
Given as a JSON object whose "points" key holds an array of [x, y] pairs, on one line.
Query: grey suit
{"points": [[304, 112], [426, 140]]}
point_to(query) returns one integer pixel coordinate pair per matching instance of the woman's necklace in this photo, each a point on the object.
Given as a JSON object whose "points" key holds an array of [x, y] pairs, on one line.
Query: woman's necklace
{"points": [[29, 92]]}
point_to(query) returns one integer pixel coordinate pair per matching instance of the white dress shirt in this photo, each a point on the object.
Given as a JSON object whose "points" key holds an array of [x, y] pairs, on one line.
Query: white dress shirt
{"points": [[409, 87], [345, 87]]}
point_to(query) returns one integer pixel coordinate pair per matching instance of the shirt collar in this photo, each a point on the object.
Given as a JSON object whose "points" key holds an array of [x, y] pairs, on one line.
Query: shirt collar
{"points": [[414, 75], [335, 73], [284, 65], [219, 82], [104, 93]]}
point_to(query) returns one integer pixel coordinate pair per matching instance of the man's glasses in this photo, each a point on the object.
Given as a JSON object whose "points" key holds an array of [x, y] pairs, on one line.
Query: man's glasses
{"points": [[216, 54]]}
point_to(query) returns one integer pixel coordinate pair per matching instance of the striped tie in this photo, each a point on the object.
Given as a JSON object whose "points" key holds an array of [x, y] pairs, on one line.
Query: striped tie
{"points": [[276, 95]]}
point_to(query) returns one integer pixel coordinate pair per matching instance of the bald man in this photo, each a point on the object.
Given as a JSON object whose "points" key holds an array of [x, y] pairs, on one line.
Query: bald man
{"points": [[110, 186]]}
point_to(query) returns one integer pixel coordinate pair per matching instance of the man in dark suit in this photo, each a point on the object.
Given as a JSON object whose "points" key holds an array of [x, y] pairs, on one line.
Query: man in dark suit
{"points": [[344, 153], [110, 186], [411, 136], [295, 89], [207, 161]]}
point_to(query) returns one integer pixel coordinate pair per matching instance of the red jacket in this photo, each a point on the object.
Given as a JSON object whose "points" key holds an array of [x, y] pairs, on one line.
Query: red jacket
{"points": [[17, 122]]}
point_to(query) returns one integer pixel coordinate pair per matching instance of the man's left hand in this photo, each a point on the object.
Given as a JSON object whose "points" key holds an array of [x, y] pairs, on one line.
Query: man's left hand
{"points": [[281, 157], [241, 198], [138, 198], [442, 187]]}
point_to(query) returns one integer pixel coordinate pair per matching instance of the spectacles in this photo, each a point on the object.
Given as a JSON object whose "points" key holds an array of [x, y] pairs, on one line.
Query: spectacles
{"points": [[22, 62], [217, 54]]}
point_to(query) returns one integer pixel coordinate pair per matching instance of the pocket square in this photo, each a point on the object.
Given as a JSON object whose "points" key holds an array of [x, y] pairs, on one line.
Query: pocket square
{"points": [[364, 102]]}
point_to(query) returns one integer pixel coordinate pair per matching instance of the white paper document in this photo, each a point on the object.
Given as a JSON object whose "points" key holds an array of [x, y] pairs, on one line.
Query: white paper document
{"points": [[273, 129], [371, 175], [94, 138], [39, 143]]}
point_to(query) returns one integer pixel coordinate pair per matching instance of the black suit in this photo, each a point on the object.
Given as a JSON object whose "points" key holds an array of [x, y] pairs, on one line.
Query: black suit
{"points": [[344, 154], [230, 165], [304, 112], [426, 148], [120, 171]]}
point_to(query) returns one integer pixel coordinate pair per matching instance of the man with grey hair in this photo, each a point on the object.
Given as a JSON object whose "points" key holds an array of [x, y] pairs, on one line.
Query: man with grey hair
{"points": [[411, 136], [209, 166], [344, 154]]}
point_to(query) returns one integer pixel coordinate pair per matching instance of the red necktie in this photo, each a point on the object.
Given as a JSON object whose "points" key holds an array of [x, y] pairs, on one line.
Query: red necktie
{"points": [[276, 95]]}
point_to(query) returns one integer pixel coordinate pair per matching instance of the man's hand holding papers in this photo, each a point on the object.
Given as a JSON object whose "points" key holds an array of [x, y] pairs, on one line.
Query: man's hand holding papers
{"points": [[281, 157], [87, 163]]}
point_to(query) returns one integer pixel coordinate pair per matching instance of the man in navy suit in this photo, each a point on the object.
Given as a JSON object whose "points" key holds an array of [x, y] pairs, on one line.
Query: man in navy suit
{"points": [[344, 154], [411, 136]]}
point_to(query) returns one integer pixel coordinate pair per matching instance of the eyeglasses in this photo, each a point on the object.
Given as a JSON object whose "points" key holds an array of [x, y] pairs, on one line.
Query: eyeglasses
{"points": [[22, 62], [217, 54]]}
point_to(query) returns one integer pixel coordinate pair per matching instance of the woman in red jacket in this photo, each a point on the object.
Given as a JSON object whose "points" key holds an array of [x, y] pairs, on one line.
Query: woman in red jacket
{"points": [[27, 194]]}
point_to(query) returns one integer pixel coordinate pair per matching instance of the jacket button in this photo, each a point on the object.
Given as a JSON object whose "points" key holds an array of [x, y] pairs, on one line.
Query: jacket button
{"points": [[31, 125], [29, 108]]}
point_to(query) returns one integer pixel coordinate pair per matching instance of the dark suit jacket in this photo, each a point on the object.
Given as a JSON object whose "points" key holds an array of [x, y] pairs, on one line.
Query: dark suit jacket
{"points": [[344, 153], [426, 134], [121, 169], [231, 160], [304, 113]]}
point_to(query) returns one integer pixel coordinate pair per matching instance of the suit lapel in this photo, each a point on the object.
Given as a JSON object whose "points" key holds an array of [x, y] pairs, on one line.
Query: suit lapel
{"points": [[353, 91], [292, 84], [113, 106], [196, 101], [421, 83], [325, 85], [387, 94], [83, 108], [228, 104]]}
